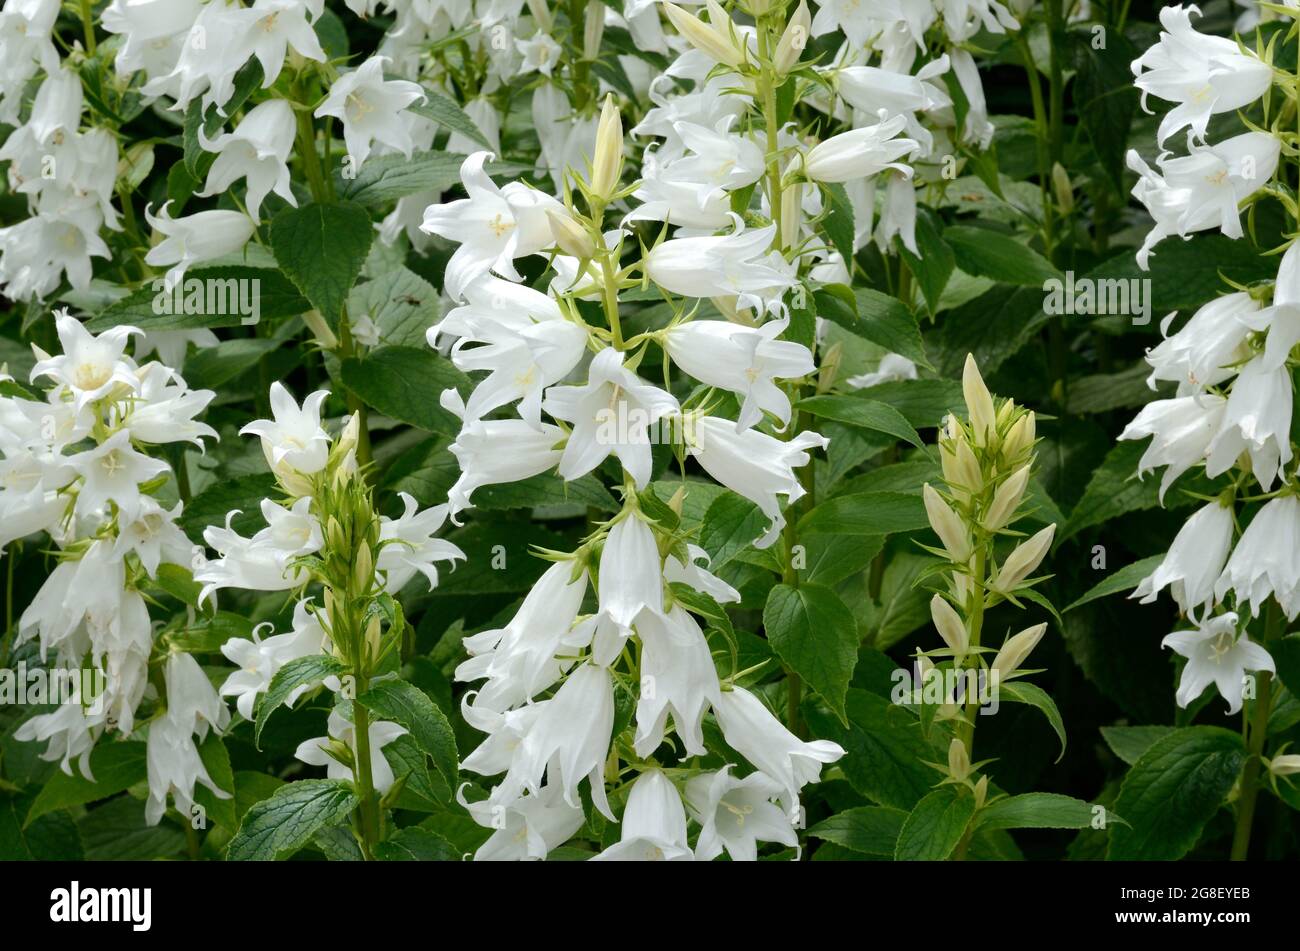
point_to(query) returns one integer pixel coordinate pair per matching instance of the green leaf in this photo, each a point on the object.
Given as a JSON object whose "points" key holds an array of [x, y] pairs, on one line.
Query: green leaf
{"points": [[407, 705], [1039, 810], [829, 559], [864, 413], [414, 844], [933, 267], [1115, 490], [210, 507], [290, 818], [1022, 691], [401, 304], [815, 635], [387, 178], [115, 766], [405, 383], [321, 247], [1286, 655], [987, 253], [213, 366], [871, 830], [874, 316], [886, 753], [1173, 790], [299, 672], [50, 838], [933, 829], [216, 760], [867, 513], [117, 831], [228, 299], [838, 223], [1125, 579], [1130, 742], [207, 634], [449, 115], [731, 525]]}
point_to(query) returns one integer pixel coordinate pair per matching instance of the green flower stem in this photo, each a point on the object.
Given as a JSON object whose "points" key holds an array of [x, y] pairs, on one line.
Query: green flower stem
{"points": [[369, 808], [1255, 732]]}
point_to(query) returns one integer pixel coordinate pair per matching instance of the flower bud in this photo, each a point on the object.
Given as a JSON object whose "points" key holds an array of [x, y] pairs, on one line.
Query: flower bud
{"points": [[372, 638], [958, 760], [1006, 498], [320, 330], [1287, 765], [1020, 437], [541, 14], [363, 569], [979, 403], [607, 166], [1062, 188], [570, 237], [793, 40], [981, 792], [1016, 649], [791, 215], [949, 624], [947, 525], [1024, 559], [830, 367], [704, 37], [593, 30], [737, 315]]}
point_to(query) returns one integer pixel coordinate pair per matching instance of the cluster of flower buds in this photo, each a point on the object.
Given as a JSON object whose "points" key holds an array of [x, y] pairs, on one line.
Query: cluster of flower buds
{"points": [[76, 466], [1231, 361], [987, 461]]}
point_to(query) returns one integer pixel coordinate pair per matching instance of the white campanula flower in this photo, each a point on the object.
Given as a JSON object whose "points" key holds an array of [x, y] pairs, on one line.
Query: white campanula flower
{"points": [[745, 360], [193, 239], [192, 701], [211, 53], [753, 464], [293, 440], [1266, 561], [1207, 348], [91, 366], [736, 814], [493, 305], [1183, 429], [262, 562], [892, 367], [519, 660], [152, 533], [751, 730], [1282, 320], [1217, 654], [410, 546], [1203, 189], [653, 828], [630, 587], [37, 252], [610, 414], [260, 659], [492, 451], [113, 471], [527, 828], [174, 768], [163, 410], [871, 88], [540, 53], [315, 752], [73, 593], [678, 677], [493, 226], [278, 25], [718, 157], [861, 152], [691, 573], [740, 264], [371, 109], [1194, 560], [257, 151], [1256, 421], [146, 26], [1204, 75]]}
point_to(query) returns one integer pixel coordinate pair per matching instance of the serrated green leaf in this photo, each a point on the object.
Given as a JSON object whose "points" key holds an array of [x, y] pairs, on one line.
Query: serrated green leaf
{"points": [[299, 672], [291, 818], [321, 248], [934, 827], [406, 704]]}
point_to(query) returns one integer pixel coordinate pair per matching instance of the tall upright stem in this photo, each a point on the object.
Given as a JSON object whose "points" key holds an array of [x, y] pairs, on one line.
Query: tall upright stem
{"points": [[1256, 732]]}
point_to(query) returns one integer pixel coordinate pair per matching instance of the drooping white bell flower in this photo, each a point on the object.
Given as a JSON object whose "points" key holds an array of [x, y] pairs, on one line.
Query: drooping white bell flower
{"points": [[193, 239], [113, 471], [1257, 421], [753, 464], [163, 411], [293, 440], [519, 659], [257, 151], [751, 730], [740, 265], [1217, 654], [504, 730], [492, 451], [1194, 560], [861, 152], [211, 53], [192, 701], [569, 742], [146, 25], [493, 226], [744, 360], [262, 562], [91, 366], [892, 366], [1204, 75], [280, 24], [719, 157], [315, 752], [611, 414], [1205, 351], [492, 304], [410, 545], [654, 824], [977, 128], [73, 591], [37, 251], [630, 586], [736, 814], [692, 574], [1282, 320], [154, 536], [678, 676], [1266, 561], [1183, 429], [56, 110], [174, 768], [527, 828], [260, 659], [370, 108], [1203, 189]]}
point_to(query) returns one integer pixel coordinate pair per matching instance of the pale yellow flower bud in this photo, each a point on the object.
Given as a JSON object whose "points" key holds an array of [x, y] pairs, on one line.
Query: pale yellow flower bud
{"points": [[1016, 649], [793, 40], [570, 237], [1006, 498], [363, 569], [607, 165], [1020, 438], [958, 760], [704, 37], [949, 624], [1062, 188], [320, 330], [593, 30], [979, 403], [1287, 765], [791, 215], [541, 14], [947, 525], [1024, 559]]}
